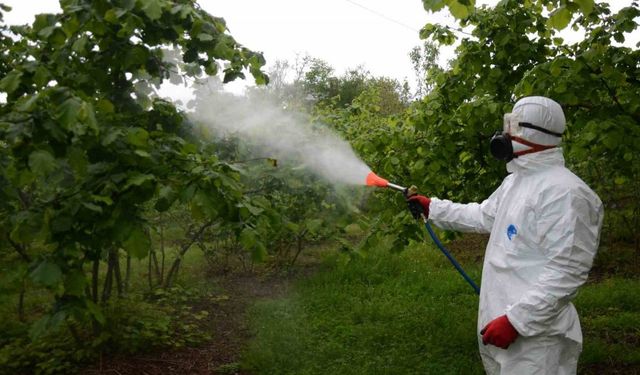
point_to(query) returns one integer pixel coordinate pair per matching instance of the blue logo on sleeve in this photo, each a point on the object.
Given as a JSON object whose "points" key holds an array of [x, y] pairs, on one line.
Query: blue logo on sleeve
{"points": [[511, 231]]}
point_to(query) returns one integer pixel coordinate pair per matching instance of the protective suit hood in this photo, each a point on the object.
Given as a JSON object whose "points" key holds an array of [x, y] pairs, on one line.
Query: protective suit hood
{"points": [[544, 113]]}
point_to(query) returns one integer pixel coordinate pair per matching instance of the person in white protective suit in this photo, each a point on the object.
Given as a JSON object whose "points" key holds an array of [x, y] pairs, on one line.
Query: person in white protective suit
{"points": [[545, 227]]}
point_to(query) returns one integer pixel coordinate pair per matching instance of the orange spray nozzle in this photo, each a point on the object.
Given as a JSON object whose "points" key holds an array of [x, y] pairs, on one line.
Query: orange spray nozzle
{"points": [[374, 180]]}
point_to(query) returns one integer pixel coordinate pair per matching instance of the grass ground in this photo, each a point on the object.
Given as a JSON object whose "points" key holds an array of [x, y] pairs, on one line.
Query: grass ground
{"points": [[411, 313], [406, 313]]}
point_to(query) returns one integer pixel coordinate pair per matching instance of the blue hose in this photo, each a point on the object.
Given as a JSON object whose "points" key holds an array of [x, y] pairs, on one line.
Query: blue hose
{"points": [[450, 257]]}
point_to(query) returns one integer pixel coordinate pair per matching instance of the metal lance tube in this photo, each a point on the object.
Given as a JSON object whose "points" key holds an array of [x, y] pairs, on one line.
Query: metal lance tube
{"points": [[396, 187]]}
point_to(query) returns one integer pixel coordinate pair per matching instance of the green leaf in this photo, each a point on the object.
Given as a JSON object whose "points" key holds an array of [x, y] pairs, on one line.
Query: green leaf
{"points": [[136, 57], [74, 283], [46, 32], [47, 273], [152, 8], [80, 44], [138, 179], [220, 24], [255, 211], [433, 5], [204, 37], [259, 252], [92, 207], [28, 225], [211, 68], [113, 15], [29, 104], [248, 238], [111, 136], [67, 112], [138, 137], [39, 327], [458, 10], [313, 225], [11, 81], [138, 243], [104, 105], [418, 166], [71, 25], [224, 48], [41, 162], [166, 197], [77, 159], [292, 226], [41, 76], [87, 115], [206, 204], [102, 199], [95, 311], [560, 18], [58, 38], [586, 6], [231, 75], [142, 153], [261, 79]]}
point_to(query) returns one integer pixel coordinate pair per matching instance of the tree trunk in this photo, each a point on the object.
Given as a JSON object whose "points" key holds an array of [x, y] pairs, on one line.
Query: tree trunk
{"points": [[116, 269], [127, 275], [173, 271], [156, 266], [108, 281], [299, 239], [94, 281], [162, 252], [21, 303], [149, 275]]}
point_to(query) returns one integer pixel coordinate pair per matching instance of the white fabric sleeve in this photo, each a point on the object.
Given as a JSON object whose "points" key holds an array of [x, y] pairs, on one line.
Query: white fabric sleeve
{"points": [[569, 227], [466, 217]]}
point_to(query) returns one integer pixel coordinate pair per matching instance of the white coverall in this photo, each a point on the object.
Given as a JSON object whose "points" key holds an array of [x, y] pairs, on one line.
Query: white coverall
{"points": [[545, 226]]}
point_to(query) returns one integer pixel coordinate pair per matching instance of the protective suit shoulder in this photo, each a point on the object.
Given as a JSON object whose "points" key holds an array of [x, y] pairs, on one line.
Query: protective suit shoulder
{"points": [[558, 183]]}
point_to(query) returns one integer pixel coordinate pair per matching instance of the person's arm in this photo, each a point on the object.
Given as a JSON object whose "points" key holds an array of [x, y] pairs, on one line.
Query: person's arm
{"points": [[569, 224], [469, 217]]}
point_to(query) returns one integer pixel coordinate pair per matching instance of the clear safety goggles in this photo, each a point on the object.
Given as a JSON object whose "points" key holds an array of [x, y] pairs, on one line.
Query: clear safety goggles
{"points": [[513, 126]]}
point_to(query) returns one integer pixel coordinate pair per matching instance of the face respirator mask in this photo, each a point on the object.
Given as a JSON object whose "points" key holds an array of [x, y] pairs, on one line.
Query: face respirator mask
{"points": [[501, 144]]}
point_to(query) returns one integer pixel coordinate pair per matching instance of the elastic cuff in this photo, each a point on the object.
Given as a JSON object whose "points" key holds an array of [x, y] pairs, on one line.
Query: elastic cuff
{"points": [[522, 331]]}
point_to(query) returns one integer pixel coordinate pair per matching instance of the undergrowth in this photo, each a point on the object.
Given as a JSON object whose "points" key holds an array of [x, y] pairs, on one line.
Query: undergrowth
{"points": [[135, 324]]}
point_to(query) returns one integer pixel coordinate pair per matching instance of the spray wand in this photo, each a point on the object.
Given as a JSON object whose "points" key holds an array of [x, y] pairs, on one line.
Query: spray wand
{"points": [[417, 210]]}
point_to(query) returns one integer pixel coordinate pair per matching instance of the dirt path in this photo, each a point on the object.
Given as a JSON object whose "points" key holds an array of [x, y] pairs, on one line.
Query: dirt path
{"points": [[228, 323]]}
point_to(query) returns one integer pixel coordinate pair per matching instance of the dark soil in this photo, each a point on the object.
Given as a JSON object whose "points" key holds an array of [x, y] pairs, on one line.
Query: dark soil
{"points": [[469, 247], [228, 324]]}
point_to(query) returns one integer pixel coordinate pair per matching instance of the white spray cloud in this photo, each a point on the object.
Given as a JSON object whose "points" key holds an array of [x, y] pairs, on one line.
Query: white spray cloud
{"points": [[282, 135]]}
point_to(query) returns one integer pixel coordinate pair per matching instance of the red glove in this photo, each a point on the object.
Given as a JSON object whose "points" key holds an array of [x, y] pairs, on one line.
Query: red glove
{"points": [[417, 201], [499, 332]]}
